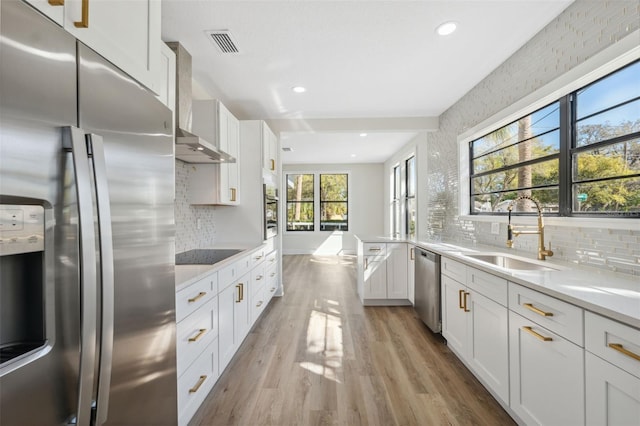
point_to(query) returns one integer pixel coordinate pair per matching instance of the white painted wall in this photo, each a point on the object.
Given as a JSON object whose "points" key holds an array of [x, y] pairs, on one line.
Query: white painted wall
{"points": [[366, 215]]}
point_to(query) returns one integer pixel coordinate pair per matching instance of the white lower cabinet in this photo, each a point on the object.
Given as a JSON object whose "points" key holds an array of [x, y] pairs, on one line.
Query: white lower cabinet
{"points": [[214, 316], [476, 329], [613, 395], [397, 278], [375, 279], [411, 273], [612, 372], [546, 374], [383, 276]]}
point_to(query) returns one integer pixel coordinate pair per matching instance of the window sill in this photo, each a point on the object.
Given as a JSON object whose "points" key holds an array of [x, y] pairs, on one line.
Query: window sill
{"points": [[572, 222]]}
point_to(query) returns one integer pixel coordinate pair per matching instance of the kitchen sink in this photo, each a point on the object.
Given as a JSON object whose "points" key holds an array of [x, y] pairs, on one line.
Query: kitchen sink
{"points": [[511, 262]]}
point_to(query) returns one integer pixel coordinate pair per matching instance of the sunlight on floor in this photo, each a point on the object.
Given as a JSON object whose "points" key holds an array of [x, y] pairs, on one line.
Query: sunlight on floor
{"points": [[324, 339]]}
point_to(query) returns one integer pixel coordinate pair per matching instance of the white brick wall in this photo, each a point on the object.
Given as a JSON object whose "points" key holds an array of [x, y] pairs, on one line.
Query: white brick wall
{"points": [[187, 235], [582, 30]]}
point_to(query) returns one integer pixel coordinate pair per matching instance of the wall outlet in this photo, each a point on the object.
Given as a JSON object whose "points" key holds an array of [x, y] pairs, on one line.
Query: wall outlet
{"points": [[495, 228]]}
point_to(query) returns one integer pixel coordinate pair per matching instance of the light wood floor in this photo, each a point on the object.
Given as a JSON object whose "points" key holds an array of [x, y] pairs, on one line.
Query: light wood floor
{"points": [[318, 357]]}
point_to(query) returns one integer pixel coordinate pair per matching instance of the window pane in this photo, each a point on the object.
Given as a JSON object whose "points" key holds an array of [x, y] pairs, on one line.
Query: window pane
{"points": [[333, 216], [300, 187], [333, 187], [547, 197], [610, 124], [300, 216], [396, 182], [613, 160], [411, 177], [396, 217], [538, 174], [618, 195], [612, 90], [537, 147], [541, 121], [411, 217]]}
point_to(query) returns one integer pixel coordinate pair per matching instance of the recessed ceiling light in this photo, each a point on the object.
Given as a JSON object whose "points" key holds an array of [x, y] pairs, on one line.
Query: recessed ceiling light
{"points": [[298, 89], [363, 134], [446, 28], [353, 156]]}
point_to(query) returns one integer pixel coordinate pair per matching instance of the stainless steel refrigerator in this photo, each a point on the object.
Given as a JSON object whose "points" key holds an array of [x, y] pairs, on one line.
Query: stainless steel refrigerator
{"points": [[87, 230]]}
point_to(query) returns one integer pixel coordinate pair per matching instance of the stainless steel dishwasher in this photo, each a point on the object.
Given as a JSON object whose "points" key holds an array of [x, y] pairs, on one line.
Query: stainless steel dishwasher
{"points": [[427, 295]]}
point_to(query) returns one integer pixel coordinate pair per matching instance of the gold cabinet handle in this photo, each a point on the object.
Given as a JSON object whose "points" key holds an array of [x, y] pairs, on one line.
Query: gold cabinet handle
{"points": [[259, 277], [460, 293], [259, 304], [197, 386], [536, 335], [273, 164], [411, 253], [239, 294], [56, 2], [465, 301], [532, 308], [197, 337], [258, 257], [273, 274], [196, 298], [84, 22], [618, 347], [272, 289], [366, 263], [233, 194]]}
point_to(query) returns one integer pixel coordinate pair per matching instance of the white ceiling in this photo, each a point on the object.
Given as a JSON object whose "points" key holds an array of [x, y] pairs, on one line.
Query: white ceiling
{"points": [[362, 59]]}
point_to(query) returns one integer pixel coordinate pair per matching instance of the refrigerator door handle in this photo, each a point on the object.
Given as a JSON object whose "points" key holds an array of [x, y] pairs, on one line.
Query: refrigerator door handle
{"points": [[107, 274], [74, 142]]}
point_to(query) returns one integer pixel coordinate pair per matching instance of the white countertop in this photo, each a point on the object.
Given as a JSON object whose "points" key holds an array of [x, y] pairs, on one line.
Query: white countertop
{"points": [[611, 294], [188, 274]]}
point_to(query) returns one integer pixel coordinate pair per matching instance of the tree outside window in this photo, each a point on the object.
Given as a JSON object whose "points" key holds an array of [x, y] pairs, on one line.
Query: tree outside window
{"points": [[300, 210], [334, 202]]}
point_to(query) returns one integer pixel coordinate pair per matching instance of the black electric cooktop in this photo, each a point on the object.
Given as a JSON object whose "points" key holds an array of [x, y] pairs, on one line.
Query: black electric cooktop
{"points": [[204, 256]]}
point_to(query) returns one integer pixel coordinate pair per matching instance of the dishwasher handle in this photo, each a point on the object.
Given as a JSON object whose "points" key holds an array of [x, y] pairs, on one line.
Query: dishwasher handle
{"points": [[430, 256]]}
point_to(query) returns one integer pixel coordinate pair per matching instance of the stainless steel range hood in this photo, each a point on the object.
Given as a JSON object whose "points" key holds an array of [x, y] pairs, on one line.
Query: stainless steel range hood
{"points": [[190, 147]]}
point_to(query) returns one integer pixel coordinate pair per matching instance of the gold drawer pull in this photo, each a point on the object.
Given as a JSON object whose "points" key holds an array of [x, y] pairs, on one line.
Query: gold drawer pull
{"points": [[234, 193], [198, 336], [618, 347], [259, 277], [258, 257], [460, 293], [532, 308], [239, 293], [199, 296], [259, 304], [197, 386], [375, 249], [273, 289], [273, 164], [411, 252], [366, 263], [466, 293], [273, 274], [84, 22], [56, 2], [536, 335]]}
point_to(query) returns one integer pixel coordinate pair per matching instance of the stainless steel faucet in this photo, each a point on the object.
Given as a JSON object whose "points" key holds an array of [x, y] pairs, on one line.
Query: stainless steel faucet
{"points": [[513, 232]]}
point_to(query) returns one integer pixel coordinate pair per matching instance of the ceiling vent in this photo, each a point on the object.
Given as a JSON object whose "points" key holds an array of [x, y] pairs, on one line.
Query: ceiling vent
{"points": [[223, 41]]}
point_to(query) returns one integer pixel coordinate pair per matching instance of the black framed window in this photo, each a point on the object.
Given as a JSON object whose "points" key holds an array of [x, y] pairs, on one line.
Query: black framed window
{"points": [[410, 199], [577, 156], [334, 202], [396, 200], [300, 202]]}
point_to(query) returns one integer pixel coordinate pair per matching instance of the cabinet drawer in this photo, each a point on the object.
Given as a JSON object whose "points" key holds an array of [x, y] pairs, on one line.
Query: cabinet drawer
{"points": [[195, 333], [271, 273], [227, 275], [244, 265], [258, 279], [196, 382], [375, 250], [558, 316], [615, 342], [197, 294], [258, 303], [272, 258], [488, 285], [453, 269], [257, 257]]}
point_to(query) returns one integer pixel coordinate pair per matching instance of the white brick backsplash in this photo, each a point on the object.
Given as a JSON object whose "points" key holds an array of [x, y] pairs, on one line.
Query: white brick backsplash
{"points": [[187, 235], [581, 31]]}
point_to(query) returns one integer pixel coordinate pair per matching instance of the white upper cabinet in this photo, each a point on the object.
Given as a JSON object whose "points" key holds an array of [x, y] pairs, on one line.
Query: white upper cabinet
{"points": [[167, 88], [269, 150], [127, 33]]}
